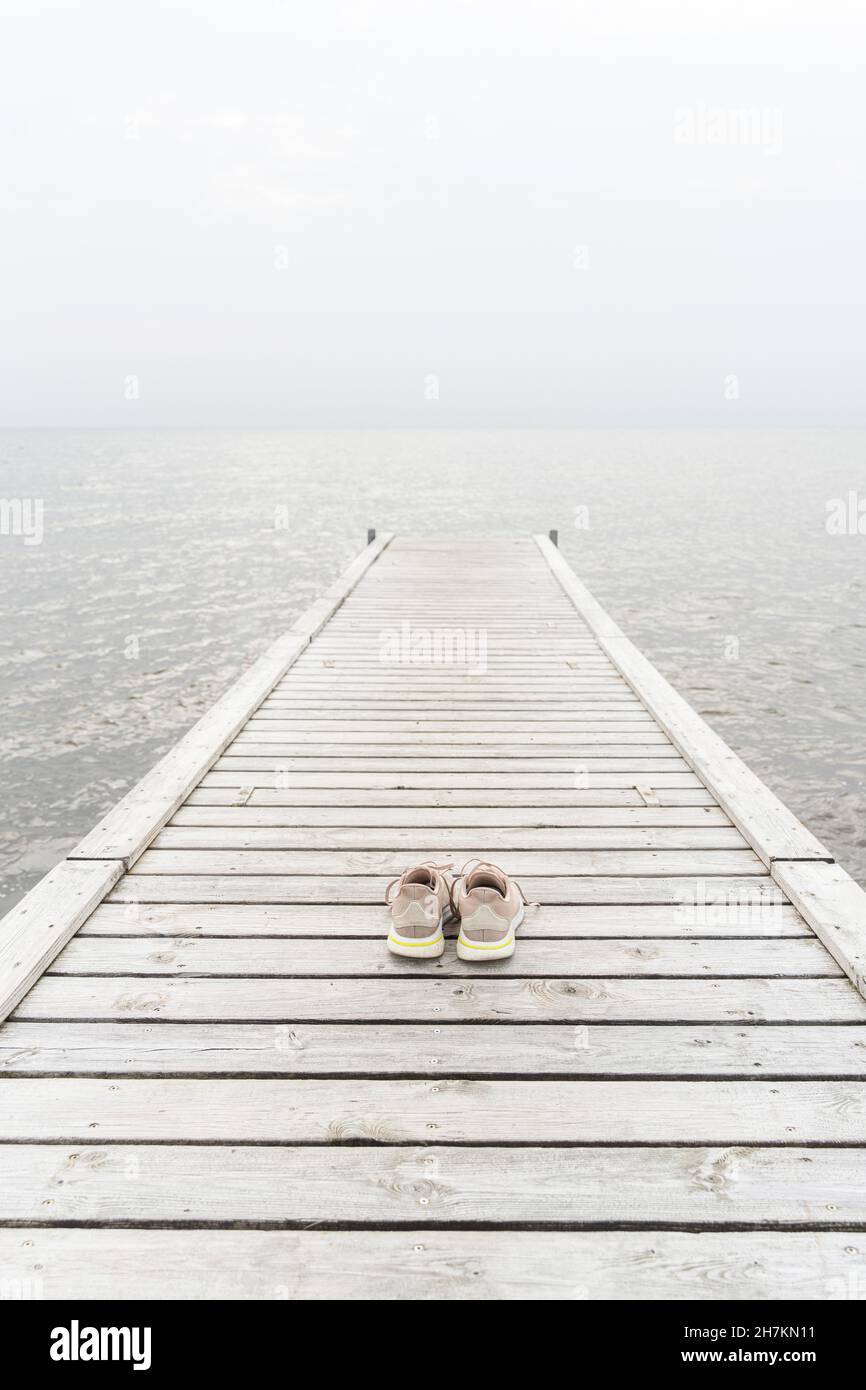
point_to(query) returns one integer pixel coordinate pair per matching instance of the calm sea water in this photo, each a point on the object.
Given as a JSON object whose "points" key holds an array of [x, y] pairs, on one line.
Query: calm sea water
{"points": [[170, 559]]}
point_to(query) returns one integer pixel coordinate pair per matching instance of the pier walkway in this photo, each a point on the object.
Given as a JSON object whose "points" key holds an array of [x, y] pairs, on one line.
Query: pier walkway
{"points": [[216, 1082]]}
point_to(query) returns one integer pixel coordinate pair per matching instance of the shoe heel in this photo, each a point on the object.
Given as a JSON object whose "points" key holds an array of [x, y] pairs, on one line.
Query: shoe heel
{"points": [[485, 952], [420, 949]]}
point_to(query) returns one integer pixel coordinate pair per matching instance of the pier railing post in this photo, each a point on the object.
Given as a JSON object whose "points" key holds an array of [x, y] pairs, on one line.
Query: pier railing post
{"points": [[371, 534], [554, 536]]}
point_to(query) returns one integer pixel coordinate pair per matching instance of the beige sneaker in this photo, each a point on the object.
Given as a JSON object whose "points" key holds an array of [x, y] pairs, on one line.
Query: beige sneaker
{"points": [[491, 907], [420, 907]]}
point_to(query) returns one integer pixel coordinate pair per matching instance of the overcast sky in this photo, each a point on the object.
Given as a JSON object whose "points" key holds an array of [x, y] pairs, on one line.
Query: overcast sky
{"points": [[243, 212]]}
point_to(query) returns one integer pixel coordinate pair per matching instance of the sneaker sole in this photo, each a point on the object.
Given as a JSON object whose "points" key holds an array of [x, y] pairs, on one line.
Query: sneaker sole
{"points": [[483, 951]]}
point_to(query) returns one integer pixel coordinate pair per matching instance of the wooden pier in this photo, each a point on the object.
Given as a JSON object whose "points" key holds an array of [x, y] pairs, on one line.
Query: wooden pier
{"points": [[216, 1082]]}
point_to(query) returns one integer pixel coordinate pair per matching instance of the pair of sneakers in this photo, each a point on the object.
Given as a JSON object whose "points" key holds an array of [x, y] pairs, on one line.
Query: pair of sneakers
{"points": [[489, 905]]}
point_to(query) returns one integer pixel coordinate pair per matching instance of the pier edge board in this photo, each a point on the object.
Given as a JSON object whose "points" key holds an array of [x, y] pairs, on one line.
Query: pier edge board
{"points": [[772, 830], [834, 906], [37, 928]]}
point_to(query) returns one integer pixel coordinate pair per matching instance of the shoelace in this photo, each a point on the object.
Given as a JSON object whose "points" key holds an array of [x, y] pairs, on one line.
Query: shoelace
{"points": [[425, 864]]}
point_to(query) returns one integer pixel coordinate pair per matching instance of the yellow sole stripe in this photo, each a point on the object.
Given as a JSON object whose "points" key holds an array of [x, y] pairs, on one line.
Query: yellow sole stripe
{"points": [[425, 941], [494, 945]]}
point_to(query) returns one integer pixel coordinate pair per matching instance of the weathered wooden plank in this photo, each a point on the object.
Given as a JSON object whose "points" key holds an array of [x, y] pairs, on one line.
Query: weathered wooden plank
{"points": [[286, 780], [353, 639], [551, 615], [569, 686], [563, 626], [200, 810], [745, 899], [314, 667], [130, 825], [835, 907], [527, 676], [265, 837], [507, 739], [76, 1263], [486, 798], [448, 720], [43, 921], [335, 956], [472, 702], [561, 1187], [422, 643], [569, 683], [552, 862], [411, 1000], [492, 662], [471, 706], [628, 763], [567, 629], [279, 1111], [500, 650], [724, 919], [422, 638], [406, 598], [623, 755], [585, 676], [513, 590], [427, 1049], [481, 641]]}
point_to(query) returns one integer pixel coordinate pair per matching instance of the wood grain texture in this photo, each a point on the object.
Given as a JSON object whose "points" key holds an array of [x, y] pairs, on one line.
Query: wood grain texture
{"points": [[399, 762], [696, 900], [728, 922], [621, 742], [551, 863], [435, 1049], [83, 1110], [250, 836], [470, 704], [305, 792], [333, 957], [557, 1187], [200, 811], [481, 1000], [534, 785], [465, 722], [430, 1265]]}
